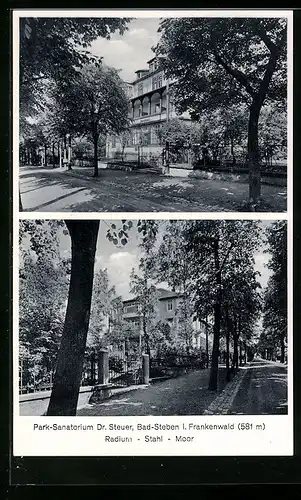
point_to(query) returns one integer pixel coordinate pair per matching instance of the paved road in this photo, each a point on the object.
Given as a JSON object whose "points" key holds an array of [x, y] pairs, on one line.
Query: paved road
{"points": [[185, 395], [117, 191], [263, 390], [36, 406]]}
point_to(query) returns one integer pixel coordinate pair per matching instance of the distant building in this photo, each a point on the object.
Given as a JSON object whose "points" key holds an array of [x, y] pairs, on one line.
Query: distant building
{"points": [[151, 105], [166, 310]]}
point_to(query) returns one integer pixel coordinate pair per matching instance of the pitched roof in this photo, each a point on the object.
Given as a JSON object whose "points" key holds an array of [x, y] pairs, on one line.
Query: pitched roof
{"points": [[167, 294], [162, 294]]}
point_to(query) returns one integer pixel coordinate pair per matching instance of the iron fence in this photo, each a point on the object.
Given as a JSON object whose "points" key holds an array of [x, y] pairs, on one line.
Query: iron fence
{"points": [[125, 370], [173, 365]]}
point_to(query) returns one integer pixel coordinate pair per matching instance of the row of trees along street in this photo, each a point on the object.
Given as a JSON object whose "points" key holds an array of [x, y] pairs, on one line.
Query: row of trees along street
{"points": [[211, 263], [64, 89], [230, 73]]}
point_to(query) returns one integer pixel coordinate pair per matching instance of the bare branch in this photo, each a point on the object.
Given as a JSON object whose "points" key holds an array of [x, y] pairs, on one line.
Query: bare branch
{"points": [[238, 75]]}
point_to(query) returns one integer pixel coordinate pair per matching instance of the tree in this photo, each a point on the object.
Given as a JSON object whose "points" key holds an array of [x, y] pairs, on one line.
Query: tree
{"points": [[241, 304], [54, 49], [43, 289], [273, 135], [214, 247], [146, 296], [218, 61], [83, 234], [67, 379], [103, 300], [275, 299], [94, 103], [171, 264]]}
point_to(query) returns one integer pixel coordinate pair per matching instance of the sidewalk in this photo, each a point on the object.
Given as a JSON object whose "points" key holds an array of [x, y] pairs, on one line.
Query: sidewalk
{"points": [[118, 191], [184, 395]]}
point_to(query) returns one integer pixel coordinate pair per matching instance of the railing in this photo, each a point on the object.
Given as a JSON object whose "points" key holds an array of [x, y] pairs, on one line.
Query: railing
{"points": [[175, 365], [125, 370], [134, 159]]}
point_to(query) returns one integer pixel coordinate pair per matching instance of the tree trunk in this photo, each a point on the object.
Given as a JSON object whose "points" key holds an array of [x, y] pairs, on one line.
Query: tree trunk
{"points": [[53, 155], [45, 149], [228, 355], [95, 144], [228, 331], [282, 347], [253, 155], [60, 155], [69, 153], [207, 344], [217, 321], [65, 150], [240, 354], [67, 379], [146, 337], [235, 351], [232, 152]]}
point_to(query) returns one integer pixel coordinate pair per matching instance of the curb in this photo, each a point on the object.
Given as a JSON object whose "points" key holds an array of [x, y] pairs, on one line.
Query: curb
{"points": [[221, 405], [117, 392]]}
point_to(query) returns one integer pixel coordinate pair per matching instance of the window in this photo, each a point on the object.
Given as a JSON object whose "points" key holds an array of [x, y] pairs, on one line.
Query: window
{"points": [[140, 88], [135, 323], [157, 81], [145, 136], [136, 137], [154, 134], [169, 305], [130, 308]]}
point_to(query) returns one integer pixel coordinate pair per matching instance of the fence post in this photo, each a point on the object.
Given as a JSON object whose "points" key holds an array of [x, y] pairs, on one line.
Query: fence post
{"points": [[103, 367], [92, 363], [145, 368]]}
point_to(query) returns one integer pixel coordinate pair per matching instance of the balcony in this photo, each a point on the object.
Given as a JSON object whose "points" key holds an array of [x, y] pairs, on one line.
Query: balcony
{"points": [[131, 315], [153, 118], [149, 118]]}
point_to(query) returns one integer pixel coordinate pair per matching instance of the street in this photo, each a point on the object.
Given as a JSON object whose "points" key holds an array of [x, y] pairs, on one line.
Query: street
{"points": [[259, 388], [55, 190], [263, 390]]}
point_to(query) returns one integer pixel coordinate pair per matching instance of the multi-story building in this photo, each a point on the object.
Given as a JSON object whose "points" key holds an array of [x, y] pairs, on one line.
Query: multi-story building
{"points": [[151, 105], [166, 310]]}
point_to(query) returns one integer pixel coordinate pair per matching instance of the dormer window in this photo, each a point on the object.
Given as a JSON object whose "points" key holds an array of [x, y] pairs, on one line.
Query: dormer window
{"points": [[157, 82]]}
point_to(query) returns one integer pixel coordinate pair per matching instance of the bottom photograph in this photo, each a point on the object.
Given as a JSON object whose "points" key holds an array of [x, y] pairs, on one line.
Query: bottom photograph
{"points": [[152, 317]]}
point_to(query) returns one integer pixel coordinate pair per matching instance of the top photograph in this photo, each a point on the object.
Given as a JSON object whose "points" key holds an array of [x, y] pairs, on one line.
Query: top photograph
{"points": [[152, 114]]}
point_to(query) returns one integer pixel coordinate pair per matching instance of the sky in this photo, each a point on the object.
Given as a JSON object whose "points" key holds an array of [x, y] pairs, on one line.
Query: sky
{"points": [[119, 261], [130, 51]]}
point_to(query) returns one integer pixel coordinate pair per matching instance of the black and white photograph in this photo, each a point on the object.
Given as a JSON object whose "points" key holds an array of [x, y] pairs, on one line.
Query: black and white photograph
{"points": [[152, 232], [153, 317], [153, 114]]}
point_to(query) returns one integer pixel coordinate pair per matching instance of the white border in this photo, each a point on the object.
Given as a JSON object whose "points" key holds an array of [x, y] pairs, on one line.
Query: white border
{"points": [[278, 438]]}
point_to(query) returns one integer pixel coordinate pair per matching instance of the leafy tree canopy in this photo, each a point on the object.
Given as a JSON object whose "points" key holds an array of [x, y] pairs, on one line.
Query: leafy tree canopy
{"points": [[55, 48], [218, 61]]}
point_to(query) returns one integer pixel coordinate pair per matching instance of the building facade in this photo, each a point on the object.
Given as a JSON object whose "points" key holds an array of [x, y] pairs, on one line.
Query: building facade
{"points": [[151, 105], [167, 311]]}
